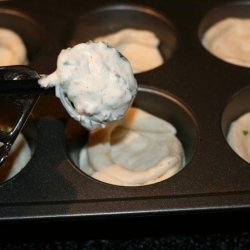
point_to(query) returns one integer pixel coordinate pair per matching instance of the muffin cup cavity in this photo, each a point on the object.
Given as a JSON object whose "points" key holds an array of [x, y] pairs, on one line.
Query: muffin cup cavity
{"points": [[113, 18], [237, 106], [236, 10], [26, 27], [25, 144], [156, 102]]}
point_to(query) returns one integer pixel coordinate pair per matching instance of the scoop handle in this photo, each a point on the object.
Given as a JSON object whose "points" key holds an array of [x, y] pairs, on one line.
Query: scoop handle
{"points": [[20, 82]]}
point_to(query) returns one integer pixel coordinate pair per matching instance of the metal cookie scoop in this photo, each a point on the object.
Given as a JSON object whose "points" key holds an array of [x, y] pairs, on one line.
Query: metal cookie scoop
{"points": [[22, 84]]}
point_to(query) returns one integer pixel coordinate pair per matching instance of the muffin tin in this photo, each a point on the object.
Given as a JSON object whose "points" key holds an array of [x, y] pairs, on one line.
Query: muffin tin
{"points": [[195, 91]]}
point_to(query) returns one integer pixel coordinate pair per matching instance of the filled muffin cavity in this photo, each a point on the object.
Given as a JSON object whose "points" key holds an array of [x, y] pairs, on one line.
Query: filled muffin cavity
{"points": [[156, 139], [143, 35], [225, 33], [20, 37]]}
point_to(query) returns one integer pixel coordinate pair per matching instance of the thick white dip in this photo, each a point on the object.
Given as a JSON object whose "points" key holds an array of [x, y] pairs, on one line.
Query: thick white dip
{"points": [[97, 80], [229, 40], [140, 47], [239, 136], [12, 48], [139, 150], [19, 156]]}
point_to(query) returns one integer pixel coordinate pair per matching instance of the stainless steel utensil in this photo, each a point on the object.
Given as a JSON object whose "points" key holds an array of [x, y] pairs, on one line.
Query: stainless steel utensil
{"points": [[20, 83]]}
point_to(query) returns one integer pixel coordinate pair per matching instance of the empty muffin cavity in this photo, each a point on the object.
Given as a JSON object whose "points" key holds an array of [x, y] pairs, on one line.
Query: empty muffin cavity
{"points": [[24, 145], [157, 139], [141, 34], [225, 33], [236, 123], [20, 37]]}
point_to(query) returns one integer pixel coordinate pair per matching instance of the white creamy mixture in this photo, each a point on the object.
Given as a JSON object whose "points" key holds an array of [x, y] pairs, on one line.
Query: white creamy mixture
{"points": [[97, 80], [12, 48], [239, 136], [140, 47], [18, 157], [142, 149], [229, 40]]}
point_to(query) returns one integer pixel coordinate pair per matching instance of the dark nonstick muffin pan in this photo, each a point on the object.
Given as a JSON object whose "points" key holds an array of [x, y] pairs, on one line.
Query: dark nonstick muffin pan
{"points": [[195, 91]]}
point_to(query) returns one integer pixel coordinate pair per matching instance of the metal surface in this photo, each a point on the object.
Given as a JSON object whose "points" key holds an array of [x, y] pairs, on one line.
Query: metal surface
{"points": [[9, 77], [198, 87]]}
